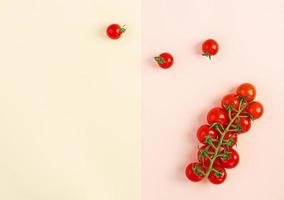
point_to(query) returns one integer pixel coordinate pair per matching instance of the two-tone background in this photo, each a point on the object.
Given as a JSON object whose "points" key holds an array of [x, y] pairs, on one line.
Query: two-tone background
{"points": [[83, 117]]}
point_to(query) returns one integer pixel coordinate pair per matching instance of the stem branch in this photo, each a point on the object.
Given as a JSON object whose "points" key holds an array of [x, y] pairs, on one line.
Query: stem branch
{"points": [[216, 153]]}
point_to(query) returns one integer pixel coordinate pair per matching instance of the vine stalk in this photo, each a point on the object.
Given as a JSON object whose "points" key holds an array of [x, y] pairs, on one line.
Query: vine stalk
{"points": [[223, 133]]}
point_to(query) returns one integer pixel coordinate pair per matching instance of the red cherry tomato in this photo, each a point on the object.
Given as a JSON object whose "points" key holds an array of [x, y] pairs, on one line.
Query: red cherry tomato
{"points": [[218, 176], [114, 31], [231, 99], [247, 90], [205, 157], [255, 109], [205, 131], [194, 172], [210, 48], [230, 139], [245, 124], [231, 160], [217, 115], [165, 60], [217, 163]]}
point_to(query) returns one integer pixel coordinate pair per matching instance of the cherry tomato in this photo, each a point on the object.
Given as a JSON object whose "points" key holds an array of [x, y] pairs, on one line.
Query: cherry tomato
{"points": [[210, 48], [231, 160], [114, 31], [205, 157], [217, 115], [165, 60], [218, 176], [231, 139], [231, 99], [244, 122], [255, 109], [205, 131], [194, 172], [217, 163], [247, 90]]}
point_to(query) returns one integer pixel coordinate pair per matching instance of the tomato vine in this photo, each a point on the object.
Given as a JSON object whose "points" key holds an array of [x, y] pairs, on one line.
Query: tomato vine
{"points": [[220, 135]]}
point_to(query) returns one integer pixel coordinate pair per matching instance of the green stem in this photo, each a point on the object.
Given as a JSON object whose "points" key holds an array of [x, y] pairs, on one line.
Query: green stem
{"points": [[212, 145], [233, 130], [230, 112], [241, 108], [218, 129], [123, 29], [214, 170]]}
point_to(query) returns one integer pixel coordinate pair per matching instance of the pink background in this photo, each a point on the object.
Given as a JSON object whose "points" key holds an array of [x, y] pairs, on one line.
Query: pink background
{"points": [[175, 101]]}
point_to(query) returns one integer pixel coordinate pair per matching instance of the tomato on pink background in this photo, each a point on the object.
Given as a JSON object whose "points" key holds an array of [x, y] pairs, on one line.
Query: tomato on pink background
{"points": [[176, 100]]}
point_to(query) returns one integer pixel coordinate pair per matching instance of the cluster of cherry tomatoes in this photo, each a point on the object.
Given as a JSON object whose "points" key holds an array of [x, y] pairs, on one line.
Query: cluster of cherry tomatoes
{"points": [[220, 135], [165, 60]]}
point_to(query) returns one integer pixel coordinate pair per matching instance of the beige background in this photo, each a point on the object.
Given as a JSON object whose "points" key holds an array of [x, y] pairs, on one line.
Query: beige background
{"points": [[69, 112]]}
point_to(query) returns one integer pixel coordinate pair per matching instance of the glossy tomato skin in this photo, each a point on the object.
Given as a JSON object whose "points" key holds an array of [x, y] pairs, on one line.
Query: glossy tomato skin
{"points": [[219, 115], [210, 47], [206, 131], [114, 31], [191, 174], [232, 161], [247, 90], [165, 60], [217, 179], [217, 163], [231, 99], [205, 161], [245, 124], [255, 109], [233, 136]]}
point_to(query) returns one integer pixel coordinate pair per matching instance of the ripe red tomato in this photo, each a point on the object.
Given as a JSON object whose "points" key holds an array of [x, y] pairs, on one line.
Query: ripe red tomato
{"points": [[245, 124], [165, 60], [206, 131], [217, 114], [231, 99], [206, 156], [219, 176], [114, 31], [217, 163], [231, 138], [210, 48], [232, 160], [255, 109], [247, 90], [194, 172]]}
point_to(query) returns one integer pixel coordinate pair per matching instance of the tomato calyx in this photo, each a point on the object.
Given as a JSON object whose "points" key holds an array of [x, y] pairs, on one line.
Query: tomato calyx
{"points": [[217, 173], [218, 126], [205, 153], [229, 143], [198, 170], [160, 59], [210, 140], [226, 155], [123, 29], [207, 54]]}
